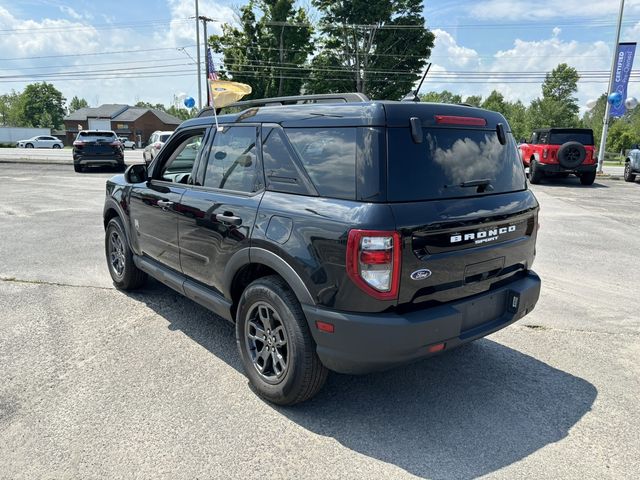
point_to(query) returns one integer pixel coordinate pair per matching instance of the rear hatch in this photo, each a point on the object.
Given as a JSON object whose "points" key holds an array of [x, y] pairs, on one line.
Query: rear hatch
{"points": [[97, 143], [560, 136], [461, 203]]}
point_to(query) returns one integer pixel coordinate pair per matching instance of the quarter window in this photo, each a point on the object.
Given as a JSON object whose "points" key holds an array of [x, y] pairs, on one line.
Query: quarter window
{"points": [[232, 163], [329, 157], [280, 165]]}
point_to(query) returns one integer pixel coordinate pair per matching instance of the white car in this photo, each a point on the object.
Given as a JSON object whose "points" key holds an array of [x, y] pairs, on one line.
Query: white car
{"points": [[157, 140], [41, 141], [126, 143]]}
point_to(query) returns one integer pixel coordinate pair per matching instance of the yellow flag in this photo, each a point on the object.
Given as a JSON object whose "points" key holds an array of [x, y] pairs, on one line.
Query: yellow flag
{"points": [[225, 93]]}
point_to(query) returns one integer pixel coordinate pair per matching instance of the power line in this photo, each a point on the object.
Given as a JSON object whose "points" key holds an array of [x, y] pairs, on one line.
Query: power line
{"points": [[111, 52]]}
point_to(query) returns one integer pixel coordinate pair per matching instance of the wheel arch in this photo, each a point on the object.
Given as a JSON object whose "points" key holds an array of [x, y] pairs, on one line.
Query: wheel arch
{"points": [[252, 263]]}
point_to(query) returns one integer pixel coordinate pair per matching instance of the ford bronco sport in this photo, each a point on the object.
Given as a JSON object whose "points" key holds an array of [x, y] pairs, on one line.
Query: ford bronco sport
{"points": [[632, 164], [340, 234], [560, 152]]}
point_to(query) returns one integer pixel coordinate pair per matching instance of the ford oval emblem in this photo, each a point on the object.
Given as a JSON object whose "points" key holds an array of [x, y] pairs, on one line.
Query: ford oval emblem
{"points": [[421, 274]]}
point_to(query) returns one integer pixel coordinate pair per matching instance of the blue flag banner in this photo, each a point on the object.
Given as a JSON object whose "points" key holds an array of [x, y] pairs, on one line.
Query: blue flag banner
{"points": [[624, 62]]}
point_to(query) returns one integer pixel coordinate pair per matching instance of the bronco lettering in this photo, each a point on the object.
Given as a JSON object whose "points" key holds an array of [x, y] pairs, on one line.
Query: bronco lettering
{"points": [[483, 236]]}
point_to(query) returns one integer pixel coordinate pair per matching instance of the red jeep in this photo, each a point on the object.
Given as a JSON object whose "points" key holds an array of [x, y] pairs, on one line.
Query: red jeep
{"points": [[560, 152]]}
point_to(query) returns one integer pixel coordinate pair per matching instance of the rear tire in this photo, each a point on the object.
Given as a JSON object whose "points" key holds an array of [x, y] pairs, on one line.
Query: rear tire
{"points": [[133, 147], [77, 168], [535, 174], [628, 175], [124, 273], [588, 178], [275, 344], [56, 146]]}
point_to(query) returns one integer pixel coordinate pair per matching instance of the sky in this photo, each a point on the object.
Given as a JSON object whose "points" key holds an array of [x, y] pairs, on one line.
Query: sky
{"points": [[55, 40]]}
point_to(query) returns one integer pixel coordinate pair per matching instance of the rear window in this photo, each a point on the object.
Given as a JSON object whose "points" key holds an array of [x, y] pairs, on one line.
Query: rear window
{"points": [[558, 137], [89, 136], [329, 157], [164, 138], [446, 160]]}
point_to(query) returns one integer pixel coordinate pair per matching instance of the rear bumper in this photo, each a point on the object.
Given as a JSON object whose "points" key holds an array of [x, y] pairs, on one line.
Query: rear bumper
{"points": [[557, 168], [85, 160], [363, 343]]}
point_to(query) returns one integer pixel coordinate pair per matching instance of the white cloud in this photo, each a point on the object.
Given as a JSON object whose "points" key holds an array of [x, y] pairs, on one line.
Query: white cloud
{"points": [[528, 10], [524, 56], [70, 12]]}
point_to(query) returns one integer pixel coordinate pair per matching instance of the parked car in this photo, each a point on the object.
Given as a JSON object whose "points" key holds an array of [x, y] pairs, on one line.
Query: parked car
{"points": [[41, 141], [560, 152], [97, 148], [632, 164], [156, 141], [353, 236], [126, 143]]}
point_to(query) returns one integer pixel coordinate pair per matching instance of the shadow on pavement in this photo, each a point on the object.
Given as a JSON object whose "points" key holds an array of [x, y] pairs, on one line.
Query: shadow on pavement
{"points": [[571, 181], [463, 414]]}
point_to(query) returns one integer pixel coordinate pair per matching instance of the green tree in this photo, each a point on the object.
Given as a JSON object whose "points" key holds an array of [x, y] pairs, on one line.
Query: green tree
{"points": [[43, 105], [269, 49], [495, 101], [558, 106], [444, 96], [77, 103], [376, 47], [12, 109], [593, 118], [475, 100]]}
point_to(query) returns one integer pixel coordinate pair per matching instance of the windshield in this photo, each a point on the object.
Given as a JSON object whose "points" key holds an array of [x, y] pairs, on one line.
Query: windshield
{"points": [[97, 136], [451, 163], [558, 137]]}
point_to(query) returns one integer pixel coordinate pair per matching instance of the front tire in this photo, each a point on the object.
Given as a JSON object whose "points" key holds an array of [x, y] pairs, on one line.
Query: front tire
{"points": [[535, 174], [29, 145], [588, 178], [275, 344], [124, 273], [628, 175]]}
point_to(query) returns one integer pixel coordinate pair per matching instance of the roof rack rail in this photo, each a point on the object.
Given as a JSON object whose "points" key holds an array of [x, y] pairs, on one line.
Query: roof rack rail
{"points": [[351, 97]]}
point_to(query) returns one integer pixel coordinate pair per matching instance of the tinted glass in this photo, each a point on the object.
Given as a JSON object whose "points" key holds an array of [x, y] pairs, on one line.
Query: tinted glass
{"points": [[279, 165], [164, 138], [180, 161], [448, 158], [93, 136], [232, 163], [558, 137], [329, 157]]}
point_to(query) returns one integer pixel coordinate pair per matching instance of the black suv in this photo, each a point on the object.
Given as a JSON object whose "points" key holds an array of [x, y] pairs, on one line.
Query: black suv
{"points": [[340, 234], [97, 148]]}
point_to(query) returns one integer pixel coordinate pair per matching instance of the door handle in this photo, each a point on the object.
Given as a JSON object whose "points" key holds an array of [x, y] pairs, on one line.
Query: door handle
{"points": [[164, 204], [229, 219]]}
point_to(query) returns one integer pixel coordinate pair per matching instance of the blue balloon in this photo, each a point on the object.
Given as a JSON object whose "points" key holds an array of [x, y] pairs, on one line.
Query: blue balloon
{"points": [[615, 98], [189, 102]]}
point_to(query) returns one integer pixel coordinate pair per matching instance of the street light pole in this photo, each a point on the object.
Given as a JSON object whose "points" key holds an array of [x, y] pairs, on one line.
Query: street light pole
{"points": [[198, 58], [605, 125], [206, 20]]}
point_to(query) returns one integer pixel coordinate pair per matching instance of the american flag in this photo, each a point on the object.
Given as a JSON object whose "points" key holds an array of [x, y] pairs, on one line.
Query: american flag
{"points": [[211, 74]]}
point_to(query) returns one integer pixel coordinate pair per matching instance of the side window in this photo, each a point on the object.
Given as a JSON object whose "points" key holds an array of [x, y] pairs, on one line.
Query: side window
{"points": [[181, 155], [329, 157], [534, 138], [279, 164], [543, 138], [232, 163]]}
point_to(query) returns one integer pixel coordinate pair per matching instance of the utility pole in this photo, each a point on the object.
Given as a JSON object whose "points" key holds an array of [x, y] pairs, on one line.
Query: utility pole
{"points": [[198, 59], [605, 125], [206, 20]]}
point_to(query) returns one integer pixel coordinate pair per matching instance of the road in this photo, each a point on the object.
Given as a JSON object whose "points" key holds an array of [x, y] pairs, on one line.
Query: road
{"points": [[96, 383], [54, 156]]}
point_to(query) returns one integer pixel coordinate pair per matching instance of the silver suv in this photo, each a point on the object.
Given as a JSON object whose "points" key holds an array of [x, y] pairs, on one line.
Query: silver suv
{"points": [[156, 141], [632, 164]]}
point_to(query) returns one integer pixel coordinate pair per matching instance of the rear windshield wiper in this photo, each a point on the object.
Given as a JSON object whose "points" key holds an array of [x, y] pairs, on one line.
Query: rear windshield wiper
{"points": [[484, 185]]}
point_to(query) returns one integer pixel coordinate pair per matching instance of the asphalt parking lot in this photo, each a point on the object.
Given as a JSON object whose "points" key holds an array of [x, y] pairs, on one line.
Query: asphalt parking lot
{"points": [[96, 383]]}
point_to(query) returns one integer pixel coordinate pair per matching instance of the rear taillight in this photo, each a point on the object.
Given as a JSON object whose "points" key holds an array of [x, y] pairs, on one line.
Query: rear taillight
{"points": [[78, 143], [545, 153], [373, 262], [115, 144]]}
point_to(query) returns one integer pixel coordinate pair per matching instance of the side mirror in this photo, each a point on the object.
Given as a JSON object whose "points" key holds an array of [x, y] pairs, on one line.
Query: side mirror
{"points": [[136, 173]]}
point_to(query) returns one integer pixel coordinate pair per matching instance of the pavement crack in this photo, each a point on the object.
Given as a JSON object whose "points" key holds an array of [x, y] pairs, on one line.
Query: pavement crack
{"points": [[545, 328], [54, 284]]}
